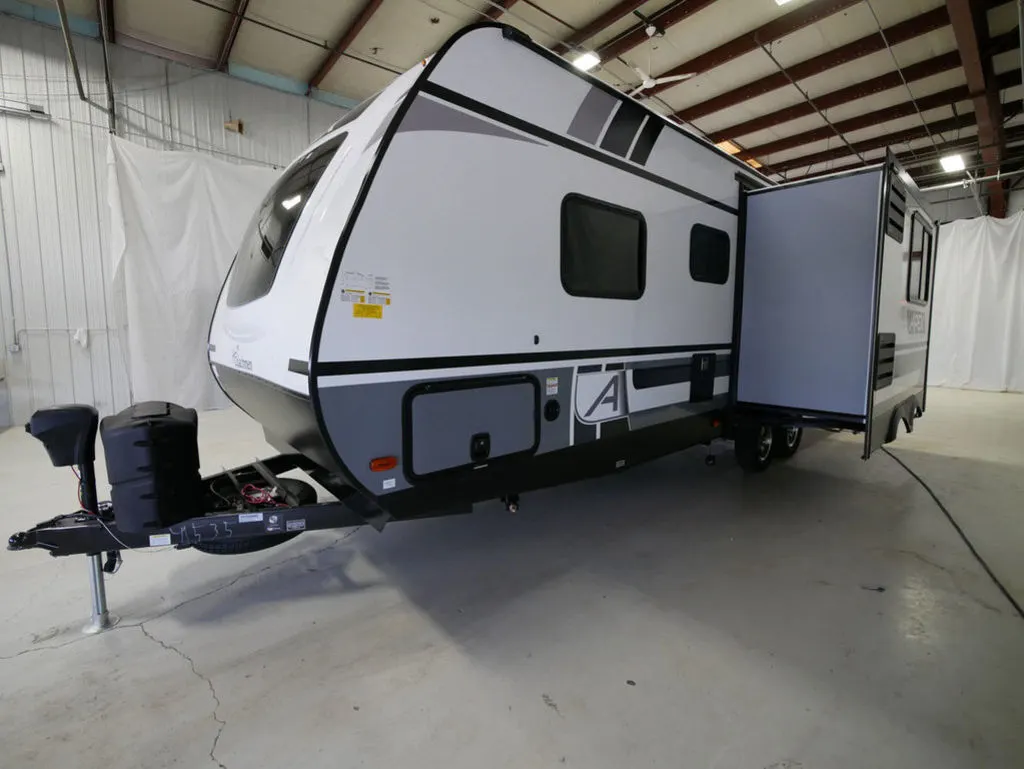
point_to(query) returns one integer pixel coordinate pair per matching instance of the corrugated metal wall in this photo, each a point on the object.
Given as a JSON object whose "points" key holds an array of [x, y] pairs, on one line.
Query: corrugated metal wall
{"points": [[54, 259]]}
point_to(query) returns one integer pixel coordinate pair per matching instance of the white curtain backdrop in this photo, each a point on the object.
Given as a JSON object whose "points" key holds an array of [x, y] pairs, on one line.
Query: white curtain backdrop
{"points": [[176, 219], [978, 318]]}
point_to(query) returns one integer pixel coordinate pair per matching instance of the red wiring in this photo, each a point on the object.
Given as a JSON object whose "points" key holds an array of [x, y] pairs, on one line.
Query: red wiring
{"points": [[254, 495], [81, 502]]}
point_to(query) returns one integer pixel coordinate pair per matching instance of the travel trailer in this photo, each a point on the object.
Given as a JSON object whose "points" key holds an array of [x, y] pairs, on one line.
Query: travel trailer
{"points": [[501, 274]]}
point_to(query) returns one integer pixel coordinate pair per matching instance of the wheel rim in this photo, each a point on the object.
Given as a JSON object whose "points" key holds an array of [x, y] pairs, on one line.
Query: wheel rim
{"points": [[764, 443], [792, 435]]}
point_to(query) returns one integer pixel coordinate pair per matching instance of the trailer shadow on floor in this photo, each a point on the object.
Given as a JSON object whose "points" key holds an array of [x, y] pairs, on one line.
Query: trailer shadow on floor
{"points": [[841, 572]]}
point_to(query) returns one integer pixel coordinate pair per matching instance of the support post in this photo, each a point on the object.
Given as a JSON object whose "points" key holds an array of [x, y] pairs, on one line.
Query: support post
{"points": [[101, 619]]}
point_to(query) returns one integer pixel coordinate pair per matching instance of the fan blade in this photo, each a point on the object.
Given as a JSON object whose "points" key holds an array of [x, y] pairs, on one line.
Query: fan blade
{"points": [[674, 78], [640, 72], [636, 90]]}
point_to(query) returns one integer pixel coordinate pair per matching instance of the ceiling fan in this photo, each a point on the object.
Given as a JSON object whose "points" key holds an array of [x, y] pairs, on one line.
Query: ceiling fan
{"points": [[646, 81], [652, 30]]}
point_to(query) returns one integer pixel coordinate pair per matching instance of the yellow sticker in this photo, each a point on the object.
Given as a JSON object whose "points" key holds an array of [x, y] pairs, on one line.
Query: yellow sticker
{"points": [[367, 311]]}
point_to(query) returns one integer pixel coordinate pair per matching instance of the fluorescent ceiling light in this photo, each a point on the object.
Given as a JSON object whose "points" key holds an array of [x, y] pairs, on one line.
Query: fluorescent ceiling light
{"points": [[586, 61], [753, 163], [289, 203], [782, 2], [728, 147], [951, 164]]}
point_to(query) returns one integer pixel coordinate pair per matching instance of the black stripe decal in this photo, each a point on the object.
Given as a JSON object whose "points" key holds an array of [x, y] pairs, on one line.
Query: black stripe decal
{"points": [[615, 367], [621, 131], [298, 367], [644, 378], [589, 369], [566, 143], [584, 433], [614, 428], [648, 136], [335, 368], [593, 113]]}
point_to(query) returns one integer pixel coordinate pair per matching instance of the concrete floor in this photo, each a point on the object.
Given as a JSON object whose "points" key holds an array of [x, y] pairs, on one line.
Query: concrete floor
{"points": [[822, 615]]}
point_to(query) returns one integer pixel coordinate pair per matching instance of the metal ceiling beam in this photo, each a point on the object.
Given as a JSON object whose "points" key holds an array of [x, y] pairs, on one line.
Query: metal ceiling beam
{"points": [[62, 14], [927, 68], [897, 33], [500, 6], [970, 27], [602, 22], [668, 16], [346, 40], [105, 11], [922, 69], [804, 16], [879, 142], [237, 15], [107, 26], [922, 157], [866, 120], [877, 117]]}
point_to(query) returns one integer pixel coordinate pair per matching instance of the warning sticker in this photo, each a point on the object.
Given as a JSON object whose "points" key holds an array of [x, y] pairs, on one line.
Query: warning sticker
{"points": [[552, 385], [376, 297], [250, 517], [368, 311], [356, 281], [159, 540], [299, 524], [350, 295]]}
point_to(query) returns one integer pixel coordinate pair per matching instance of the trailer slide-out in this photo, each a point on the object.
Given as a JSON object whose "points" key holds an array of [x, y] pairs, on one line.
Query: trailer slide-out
{"points": [[414, 354]]}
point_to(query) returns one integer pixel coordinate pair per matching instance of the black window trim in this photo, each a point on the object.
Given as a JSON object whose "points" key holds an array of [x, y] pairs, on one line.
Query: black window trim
{"points": [[642, 256], [925, 275], [728, 254]]}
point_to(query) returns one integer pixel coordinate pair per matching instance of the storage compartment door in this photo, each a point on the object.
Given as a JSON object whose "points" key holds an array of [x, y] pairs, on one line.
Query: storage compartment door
{"points": [[463, 424]]}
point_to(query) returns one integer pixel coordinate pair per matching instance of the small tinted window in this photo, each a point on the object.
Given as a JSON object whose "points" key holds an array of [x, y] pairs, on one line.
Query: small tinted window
{"points": [[709, 254], [920, 263], [270, 229], [603, 249]]}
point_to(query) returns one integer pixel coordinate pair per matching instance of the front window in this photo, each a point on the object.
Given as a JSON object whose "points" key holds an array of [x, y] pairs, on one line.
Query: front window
{"points": [[271, 228]]}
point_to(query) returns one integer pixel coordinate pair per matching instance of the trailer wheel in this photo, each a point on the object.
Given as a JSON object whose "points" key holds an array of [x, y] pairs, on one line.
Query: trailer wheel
{"points": [[306, 495], [754, 447], [785, 441]]}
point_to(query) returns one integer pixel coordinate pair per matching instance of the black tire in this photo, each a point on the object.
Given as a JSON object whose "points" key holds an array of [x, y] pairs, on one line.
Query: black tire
{"points": [[753, 445], [785, 441], [305, 494]]}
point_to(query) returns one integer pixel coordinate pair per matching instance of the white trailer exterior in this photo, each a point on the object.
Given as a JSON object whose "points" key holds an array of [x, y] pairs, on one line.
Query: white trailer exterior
{"points": [[501, 274]]}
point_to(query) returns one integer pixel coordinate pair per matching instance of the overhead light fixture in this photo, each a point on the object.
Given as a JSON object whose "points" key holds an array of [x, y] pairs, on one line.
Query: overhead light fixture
{"points": [[753, 163], [952, 164], [728, 147], [586, 61], [782, 2], [289, 203]]}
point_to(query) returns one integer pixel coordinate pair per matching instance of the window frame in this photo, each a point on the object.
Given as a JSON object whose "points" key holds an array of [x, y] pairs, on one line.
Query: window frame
{"points": [[728, 254], [641, 265], [922, 295]]}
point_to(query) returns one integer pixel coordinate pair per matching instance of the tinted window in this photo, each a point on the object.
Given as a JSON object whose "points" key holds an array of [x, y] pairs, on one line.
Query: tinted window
{"points": [[270, 229], [920, 263], [709, 254], [602, 249]]}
